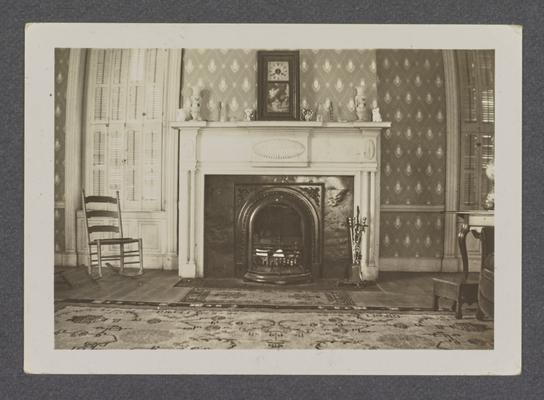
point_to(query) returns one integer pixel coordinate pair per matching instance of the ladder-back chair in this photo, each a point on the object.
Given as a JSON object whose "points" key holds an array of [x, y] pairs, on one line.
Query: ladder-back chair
{"points": [[103, 215]]}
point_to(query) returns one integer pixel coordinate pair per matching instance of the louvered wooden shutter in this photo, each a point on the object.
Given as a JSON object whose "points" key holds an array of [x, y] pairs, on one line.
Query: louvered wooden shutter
{"points": [[101, 71], [151, 166], [154, 78], [124, 125], [115, 157], [99, 160], [155, 72], [119, 61], [477, 108], [97, 116], [131, 174], [136, 85]]}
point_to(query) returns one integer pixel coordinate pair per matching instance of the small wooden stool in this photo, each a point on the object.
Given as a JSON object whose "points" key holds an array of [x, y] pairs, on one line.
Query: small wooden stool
{"points": [[462, 291]]}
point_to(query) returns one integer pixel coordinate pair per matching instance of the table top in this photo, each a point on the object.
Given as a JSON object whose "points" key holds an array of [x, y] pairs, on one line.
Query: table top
{"points": [[471, 212], [476, 217], [477, 212]]}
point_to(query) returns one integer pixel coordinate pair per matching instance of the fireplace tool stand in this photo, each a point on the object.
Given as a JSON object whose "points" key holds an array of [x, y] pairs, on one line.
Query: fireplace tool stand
{"points": [[356, 229]]}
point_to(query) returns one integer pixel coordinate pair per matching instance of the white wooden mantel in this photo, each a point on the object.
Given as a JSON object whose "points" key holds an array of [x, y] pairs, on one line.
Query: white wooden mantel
{"points": [[275, 148]]}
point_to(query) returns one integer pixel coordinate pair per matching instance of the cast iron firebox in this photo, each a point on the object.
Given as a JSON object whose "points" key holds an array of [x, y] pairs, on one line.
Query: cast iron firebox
{"points": [[278, 230]]}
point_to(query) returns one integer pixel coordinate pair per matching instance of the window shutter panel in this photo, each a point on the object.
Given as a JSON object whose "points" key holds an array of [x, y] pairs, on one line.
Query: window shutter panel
{"points": [[477, 91], [99, 160], [118, 85], [469, 164], [100, 67], [154, 83], [151, 171], [125, 125], [136, 95], [115, 157], [486, 65], [131, 185]]}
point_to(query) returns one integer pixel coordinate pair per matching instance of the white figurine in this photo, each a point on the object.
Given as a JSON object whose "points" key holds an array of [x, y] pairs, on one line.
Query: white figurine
{"points": [[195, 104], [360, 103], [249, 114], [376, 117]]}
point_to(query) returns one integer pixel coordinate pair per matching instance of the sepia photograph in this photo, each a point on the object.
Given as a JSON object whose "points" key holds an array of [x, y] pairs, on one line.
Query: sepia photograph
{"points": [[275, 198]]}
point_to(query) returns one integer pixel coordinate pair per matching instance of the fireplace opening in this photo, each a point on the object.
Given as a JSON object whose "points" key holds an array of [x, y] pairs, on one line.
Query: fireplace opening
{"points": [[279, 233], [277, 244]]}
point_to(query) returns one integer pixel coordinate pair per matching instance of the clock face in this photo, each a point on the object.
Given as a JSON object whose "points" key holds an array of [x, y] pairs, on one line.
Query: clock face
{"points": [[278, 70]]}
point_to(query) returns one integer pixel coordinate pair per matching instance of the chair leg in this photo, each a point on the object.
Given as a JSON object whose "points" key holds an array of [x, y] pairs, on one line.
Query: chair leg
{"points": [[99, 256], [141, 250], [121, 258], [435, 302], [458, 310], [90, 266], [479, 314]]}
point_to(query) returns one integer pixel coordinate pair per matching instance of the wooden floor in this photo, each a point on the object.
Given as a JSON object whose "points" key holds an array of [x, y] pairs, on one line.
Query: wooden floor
{"points": [[394, 289]]}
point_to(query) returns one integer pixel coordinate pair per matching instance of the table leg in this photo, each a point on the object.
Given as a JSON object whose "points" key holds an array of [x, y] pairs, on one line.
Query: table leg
{"points": [[479, 313]]}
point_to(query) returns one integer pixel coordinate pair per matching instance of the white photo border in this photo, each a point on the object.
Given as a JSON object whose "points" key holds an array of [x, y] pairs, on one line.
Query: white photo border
{"points": [[39, 353]]}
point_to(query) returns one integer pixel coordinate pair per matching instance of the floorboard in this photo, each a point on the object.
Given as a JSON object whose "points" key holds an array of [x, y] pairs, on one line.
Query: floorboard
{"points": [[396, 289]]}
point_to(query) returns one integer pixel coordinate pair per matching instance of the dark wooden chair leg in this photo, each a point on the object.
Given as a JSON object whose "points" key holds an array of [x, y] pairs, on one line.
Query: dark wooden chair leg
{"points": [[141, 251], [90, 266], [435, 302], [458, 310], [479, 314], [121, 258], [99, 256]]}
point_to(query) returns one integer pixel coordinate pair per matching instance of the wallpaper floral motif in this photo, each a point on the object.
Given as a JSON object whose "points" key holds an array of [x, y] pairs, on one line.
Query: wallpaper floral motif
{"points": [[411, 235], [61, 75], [411, 95], [334, 74], [230, 76]]}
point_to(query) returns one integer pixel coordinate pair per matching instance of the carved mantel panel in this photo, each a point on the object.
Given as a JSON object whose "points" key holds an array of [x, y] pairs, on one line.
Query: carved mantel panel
{"points": [[286, 150]]}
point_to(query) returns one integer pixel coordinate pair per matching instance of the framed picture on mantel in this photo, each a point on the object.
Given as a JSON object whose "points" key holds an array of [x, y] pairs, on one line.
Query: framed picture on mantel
{"points": [[278, 85]]}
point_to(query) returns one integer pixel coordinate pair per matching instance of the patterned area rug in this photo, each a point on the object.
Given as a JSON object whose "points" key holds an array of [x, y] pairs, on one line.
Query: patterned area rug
{"points": [[236, 283], [99, 327], [276, 298]]}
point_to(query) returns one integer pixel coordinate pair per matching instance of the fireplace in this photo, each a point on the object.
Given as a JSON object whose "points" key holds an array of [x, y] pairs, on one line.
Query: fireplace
{"points": [[278, 231], [238, 179]]}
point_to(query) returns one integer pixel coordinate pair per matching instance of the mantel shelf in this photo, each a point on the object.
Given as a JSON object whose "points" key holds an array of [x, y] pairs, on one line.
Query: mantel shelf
{"points": [[278, 124]]}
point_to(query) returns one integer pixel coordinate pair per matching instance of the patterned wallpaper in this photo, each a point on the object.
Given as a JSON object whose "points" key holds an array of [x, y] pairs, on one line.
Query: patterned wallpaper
{"points": [[333, 74], [61, 77], [411, 95], [411, 235], [409, 87], [230, 76]]}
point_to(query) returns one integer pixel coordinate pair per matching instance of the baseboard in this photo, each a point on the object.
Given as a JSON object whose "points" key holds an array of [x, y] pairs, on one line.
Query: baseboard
{"points": [[151, 261], [170, 262], [451, 264], [411, 264]]}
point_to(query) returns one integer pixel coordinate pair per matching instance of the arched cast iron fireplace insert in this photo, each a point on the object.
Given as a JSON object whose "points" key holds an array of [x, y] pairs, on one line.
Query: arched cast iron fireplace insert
{"points": [[279, 232]]}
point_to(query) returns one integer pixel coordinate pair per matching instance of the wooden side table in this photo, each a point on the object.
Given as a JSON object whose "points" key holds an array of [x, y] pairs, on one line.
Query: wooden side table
{"points": [[465, 290]]}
